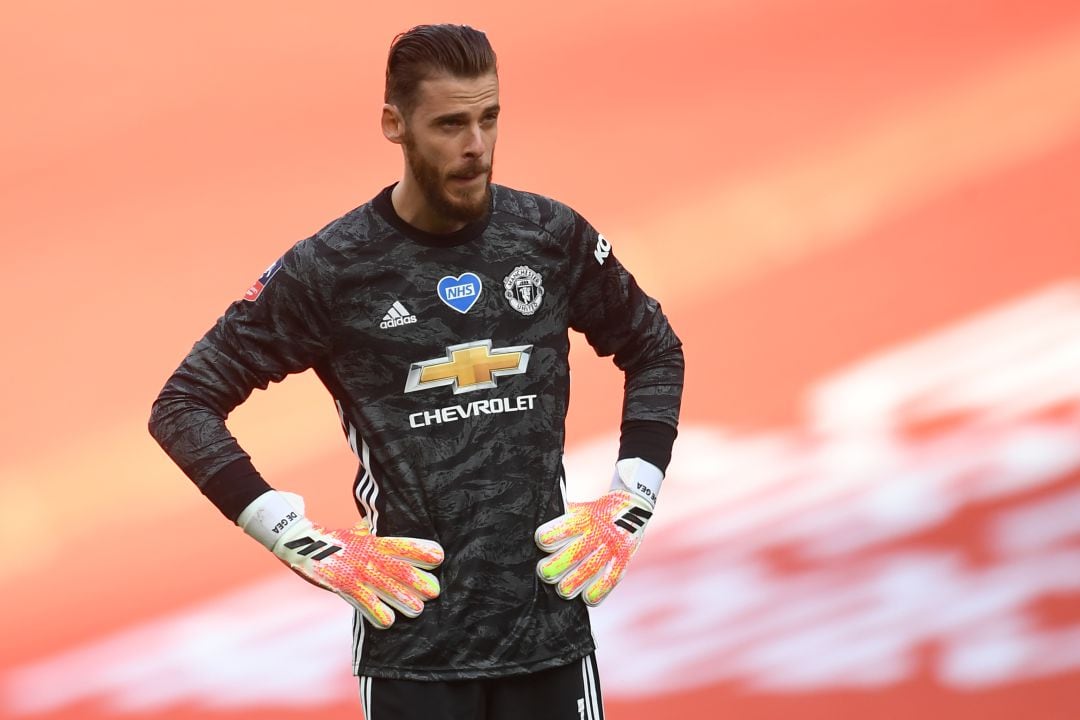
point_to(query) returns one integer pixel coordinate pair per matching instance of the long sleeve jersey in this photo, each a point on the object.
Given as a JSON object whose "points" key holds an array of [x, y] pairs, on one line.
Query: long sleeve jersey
{"points": [[447, 359]]}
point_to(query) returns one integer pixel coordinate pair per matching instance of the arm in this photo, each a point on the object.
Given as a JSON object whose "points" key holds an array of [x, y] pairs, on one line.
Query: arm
{"points": [[281, 327], [619, 319], [593, 542], [254, 343]]}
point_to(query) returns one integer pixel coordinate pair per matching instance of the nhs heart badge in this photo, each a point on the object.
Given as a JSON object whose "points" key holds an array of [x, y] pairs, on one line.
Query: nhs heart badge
{"points": [[460, 292]]}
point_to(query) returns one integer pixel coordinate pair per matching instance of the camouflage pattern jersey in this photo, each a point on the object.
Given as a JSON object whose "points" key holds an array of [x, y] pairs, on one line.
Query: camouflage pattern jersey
{"points": [[446, 356]]}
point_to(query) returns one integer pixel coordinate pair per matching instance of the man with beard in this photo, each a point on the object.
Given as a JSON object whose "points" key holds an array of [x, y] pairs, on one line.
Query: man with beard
{"points": [[437, 316]]}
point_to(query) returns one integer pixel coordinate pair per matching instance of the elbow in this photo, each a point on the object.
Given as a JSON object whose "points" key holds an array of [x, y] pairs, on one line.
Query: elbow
{"points": [[169, 405], [154, 425]]}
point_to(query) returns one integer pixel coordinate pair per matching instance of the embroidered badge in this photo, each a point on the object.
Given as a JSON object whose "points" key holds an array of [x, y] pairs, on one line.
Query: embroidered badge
{"points": [[255, 290], [524, 289]]}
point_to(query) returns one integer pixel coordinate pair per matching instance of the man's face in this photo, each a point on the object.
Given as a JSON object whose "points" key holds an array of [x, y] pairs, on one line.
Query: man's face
{"points": [[449, 143]]}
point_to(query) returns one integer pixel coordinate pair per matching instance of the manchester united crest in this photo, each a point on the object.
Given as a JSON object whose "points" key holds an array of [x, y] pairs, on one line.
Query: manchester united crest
{"points": [[524, 289]]}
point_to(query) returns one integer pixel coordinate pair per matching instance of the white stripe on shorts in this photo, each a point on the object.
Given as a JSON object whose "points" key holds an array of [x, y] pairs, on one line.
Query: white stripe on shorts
{"points": [[365, 696], [593, 703]]}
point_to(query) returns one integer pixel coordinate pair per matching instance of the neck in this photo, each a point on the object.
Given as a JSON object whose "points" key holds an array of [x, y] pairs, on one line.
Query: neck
{"points": [[410, 205]]}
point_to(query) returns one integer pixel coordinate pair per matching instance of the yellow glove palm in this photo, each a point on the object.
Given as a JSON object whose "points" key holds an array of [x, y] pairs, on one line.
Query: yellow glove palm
{"points": [[376, 575], [591, 545]]}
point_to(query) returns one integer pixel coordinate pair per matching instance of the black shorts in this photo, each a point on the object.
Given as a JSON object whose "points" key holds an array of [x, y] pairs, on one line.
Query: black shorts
{"points": [[570, 692]]}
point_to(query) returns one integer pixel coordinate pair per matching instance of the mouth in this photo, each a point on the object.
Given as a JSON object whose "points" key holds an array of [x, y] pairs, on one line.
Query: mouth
{"points": [[467, 178]]}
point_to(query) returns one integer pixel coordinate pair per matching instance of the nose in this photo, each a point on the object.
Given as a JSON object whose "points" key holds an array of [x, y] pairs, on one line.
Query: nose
{"points": [[474, 142]]}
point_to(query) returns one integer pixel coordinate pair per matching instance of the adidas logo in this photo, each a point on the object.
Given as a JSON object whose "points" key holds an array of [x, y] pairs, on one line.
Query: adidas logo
{"points": [[633, 519], [307, 545], [397, 315]]}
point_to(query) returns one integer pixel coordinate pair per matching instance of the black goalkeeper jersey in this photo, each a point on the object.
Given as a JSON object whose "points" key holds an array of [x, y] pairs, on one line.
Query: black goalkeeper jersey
{"points": [[446, 356]]}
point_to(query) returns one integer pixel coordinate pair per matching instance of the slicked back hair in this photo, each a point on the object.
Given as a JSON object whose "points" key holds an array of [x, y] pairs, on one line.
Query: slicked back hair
{"points": [[426, 51]]}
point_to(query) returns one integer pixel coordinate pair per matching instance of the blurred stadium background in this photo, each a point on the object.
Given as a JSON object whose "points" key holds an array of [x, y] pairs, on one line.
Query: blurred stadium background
{"points": [[862, 217]]}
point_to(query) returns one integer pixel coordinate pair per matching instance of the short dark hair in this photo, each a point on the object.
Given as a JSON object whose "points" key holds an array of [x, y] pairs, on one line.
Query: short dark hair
{"points": [[428, 50]]}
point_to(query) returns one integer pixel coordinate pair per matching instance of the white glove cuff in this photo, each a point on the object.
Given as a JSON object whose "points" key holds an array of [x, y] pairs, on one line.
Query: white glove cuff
{"points": [[639, 477], [269, 515]]}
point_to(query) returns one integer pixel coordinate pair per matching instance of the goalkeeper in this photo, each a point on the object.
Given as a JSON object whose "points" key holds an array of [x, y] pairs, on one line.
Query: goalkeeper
{"points": [[437, 315]]}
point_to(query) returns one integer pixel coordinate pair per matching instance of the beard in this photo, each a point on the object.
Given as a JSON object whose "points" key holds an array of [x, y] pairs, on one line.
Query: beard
{"points": [[466, 207]]}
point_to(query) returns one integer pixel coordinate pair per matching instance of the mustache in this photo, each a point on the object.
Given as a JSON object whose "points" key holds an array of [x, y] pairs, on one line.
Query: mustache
{"points": [[471, 170]]}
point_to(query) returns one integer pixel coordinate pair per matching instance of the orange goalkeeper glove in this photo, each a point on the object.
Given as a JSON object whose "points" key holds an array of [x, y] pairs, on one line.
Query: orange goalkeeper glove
{"points": [[591, 545], [376, 575]]}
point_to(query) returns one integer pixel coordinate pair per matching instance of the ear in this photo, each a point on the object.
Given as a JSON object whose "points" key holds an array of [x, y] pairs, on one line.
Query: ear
{"points": [[393, 124]]}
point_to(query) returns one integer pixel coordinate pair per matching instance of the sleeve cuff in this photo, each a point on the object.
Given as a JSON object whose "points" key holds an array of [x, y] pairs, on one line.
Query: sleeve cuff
{"points": [[649, 440], [234, 487]]}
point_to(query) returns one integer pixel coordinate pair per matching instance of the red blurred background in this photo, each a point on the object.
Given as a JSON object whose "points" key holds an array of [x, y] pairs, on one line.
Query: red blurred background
{"points": [[863, 218]]}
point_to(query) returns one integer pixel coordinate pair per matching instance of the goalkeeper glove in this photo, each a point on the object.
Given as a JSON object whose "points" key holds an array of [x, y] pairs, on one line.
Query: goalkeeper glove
{"points": [[591, 545], [376, 575]]}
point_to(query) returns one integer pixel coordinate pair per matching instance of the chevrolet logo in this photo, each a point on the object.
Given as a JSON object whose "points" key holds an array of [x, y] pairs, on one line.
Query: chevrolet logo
{"points": [[470, 366]]}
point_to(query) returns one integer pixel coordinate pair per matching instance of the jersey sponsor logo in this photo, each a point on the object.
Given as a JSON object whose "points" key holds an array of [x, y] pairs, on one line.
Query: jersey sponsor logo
{"points": [[454, 413], [461, 292], [603, 249], [524, 289], [396, 316], [255, 290], [469, 366]]}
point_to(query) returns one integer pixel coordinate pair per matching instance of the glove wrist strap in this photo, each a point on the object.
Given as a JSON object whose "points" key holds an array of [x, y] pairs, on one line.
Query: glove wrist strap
{"points": [[269, 516], [639, 477]]}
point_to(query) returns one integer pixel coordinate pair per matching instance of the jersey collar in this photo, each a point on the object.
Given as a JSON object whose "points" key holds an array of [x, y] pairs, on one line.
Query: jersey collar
{"points": [[385, 207]]}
